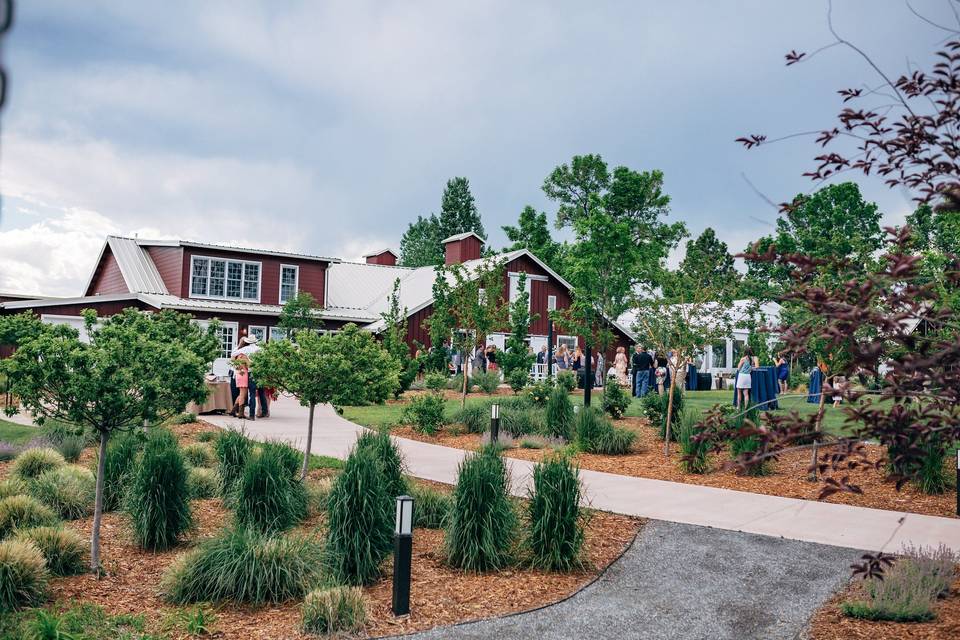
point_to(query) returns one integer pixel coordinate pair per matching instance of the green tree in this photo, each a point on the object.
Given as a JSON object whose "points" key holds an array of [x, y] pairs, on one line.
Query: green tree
{"points": [[19, 328], [137, 369], [458, 210], [300, 312], [345, 368], [394, 339], [936, 237], [708, 259], [420, 245], [517, 355], [533, 233]]}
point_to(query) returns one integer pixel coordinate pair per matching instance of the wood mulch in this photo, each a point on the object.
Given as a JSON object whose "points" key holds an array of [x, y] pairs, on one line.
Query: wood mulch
{"points": [[789, 477], [829, 623], [440, 595]]}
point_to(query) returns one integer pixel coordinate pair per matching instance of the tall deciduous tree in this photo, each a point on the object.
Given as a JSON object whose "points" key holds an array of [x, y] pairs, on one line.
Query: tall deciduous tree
{"points": [[708, 259], [517, 355], [137, 369], [533, 233], [300, 312], [394, 339], [345, 368]]}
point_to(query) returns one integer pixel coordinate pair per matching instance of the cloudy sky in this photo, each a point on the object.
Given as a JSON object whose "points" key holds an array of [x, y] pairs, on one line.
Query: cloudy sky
{"points": [[327, 126]]}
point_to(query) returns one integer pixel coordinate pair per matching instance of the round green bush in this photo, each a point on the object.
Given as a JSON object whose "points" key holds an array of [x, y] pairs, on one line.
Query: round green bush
{"points": [[615, 400], [244, 566], [70, 491], [556, 533], [21, 512], [488, 381], [202, 483], [360, 517], [64, 550], [566, 380], [23, 575], [12, 487], [122, 450], [334, 611], [232, 448], [388, 455], [425, 413], [436, 381], [268, 497], [158, 500], [198, 454], [480, 533], [32, 462], [559, 414]]}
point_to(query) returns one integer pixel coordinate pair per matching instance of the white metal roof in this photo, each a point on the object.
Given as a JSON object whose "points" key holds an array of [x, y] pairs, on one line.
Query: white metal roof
{"points": [[222, 247], [138, 270], [379, 253], [461, 236]]}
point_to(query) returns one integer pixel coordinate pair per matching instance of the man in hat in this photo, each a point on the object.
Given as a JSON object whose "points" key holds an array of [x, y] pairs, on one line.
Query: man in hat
{"points": [[249, 345]]}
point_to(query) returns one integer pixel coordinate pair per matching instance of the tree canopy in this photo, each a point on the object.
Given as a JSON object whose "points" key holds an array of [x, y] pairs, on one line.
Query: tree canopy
{"points": [[421, 243], [300, 312], [532, 232]]}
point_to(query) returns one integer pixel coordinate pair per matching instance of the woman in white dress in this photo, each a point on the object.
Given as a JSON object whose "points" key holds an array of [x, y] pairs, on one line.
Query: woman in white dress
{"points": [[745, 367]]}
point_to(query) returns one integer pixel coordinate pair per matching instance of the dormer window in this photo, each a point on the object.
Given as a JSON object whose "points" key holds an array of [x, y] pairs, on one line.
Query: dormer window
{"points": [[223, 279]]}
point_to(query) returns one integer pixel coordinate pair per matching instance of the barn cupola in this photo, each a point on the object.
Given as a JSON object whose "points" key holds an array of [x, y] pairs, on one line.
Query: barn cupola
{"points": [[385, 257], [462, 247]]}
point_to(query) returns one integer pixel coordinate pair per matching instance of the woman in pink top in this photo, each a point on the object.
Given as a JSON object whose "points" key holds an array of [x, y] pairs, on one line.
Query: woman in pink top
{"points": [[241, 376]]}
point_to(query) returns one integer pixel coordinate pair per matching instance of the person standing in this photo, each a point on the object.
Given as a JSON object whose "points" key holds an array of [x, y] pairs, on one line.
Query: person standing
{"points": [[620, 362], [542, 355], [561, 358], [783, 373], [642, 361], [249, 346], [598, 370], [745, 367]]}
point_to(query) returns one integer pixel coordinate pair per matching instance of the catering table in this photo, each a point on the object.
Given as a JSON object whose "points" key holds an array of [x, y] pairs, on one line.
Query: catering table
{"points": [[219, 398], [692, 379], [763, 388], [815, 386]]}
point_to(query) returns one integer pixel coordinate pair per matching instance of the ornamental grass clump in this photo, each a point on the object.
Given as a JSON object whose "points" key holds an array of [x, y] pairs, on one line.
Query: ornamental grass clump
{"points": [[335, 610], [22, 512], [23, 575], [431, 507], [63, 549], [521, 421], [202, 483], [244, 566], [474, 417], [696, 458], [390, 459], [481, 531], [122, 451], [488, 381], [290, 458], [199, 454], [931, 477], [71, 446], [158, 501], [232, 449], [556, 531], [359, 521], [748, 445], [595, 434], [269, 496], [12, 487], [908, 591], [32, 462], [70, 491], [559, 414]]}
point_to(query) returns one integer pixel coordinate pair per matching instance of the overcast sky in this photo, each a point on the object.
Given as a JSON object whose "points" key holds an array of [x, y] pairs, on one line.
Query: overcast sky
{"points": [[327, 127]]}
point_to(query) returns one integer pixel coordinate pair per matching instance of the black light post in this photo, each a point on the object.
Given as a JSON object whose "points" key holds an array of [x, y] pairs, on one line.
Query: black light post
{"points": [[494, 423], [550, 348], [587, 377], [402, 556], [958, 482]]}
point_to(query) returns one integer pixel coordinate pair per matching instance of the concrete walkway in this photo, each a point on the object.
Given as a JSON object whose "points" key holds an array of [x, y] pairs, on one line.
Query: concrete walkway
{"points": [[805, 520], [689, 583]]}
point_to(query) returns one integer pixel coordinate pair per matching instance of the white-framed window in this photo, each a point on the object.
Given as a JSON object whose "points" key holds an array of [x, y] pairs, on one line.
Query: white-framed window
{"points": [[289, 281], [258, 331], [224, 279], [515, 290], [551, 303], [570, 341], [227, 334], [278, 333]]}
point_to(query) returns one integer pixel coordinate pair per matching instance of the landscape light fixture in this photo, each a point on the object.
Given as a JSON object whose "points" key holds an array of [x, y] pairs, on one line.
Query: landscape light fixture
{"points": [[958, 482], [494, 422], [402, 556]]}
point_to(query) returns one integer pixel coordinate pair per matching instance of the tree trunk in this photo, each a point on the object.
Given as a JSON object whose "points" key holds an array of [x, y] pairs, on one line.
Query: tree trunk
{"points": [[306, 454], [463, 390], [98, 506], [666, 435], [821, 409], [587, 376]]}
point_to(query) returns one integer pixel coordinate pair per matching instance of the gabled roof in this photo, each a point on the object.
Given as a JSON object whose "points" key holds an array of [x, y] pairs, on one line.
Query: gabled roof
{"points": [[222, 247], [379, 253], [139, 272], [461, 236]]}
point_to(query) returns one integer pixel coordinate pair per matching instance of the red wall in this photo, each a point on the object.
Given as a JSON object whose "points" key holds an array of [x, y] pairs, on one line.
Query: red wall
{"points": [[169, 263], [311, 279], [457, 251], [108, 278]]}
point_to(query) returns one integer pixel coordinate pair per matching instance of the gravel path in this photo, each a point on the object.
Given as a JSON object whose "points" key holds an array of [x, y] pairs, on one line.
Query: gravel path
{"points": [[687, 583]]}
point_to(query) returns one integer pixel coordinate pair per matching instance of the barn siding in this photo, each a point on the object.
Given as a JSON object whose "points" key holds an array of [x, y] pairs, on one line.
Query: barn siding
{"points": [[169, 263], [108, 278]]}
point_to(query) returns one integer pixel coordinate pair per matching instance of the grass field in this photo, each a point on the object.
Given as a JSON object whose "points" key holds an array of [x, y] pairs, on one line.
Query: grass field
{"points": [[16, 433]]}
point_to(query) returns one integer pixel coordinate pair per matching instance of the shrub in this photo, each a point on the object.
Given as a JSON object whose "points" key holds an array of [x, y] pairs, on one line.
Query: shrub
{"points": [[539, 392], [244, 566], [695, 453], [521, 421], [290, 458], [488, 381], [425, 413], [556, 532], [32, 462], [158, 501], [71, 446], [615, 442], [202, 483], [198, 454], [518, 379], [533, 442], [744, 445], [387, 454], [232, 449], [480, 533], [63, 549], [566, 380], [208, 436], [652, 408], [23, 575], [431, 507], [909, 589], [931, 478], [474, 417], [22, 512], [677, 411], [359, 521], [268, 497], [335, 610], [559, 414], [12, 487], [70, 491], [615, 400], [318, 495], [589, 424], [119, 461], [184, 418], [456, 383], [435, 381]]}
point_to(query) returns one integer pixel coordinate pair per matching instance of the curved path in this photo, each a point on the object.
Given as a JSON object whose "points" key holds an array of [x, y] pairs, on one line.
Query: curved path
{"points": [[804, 520]]}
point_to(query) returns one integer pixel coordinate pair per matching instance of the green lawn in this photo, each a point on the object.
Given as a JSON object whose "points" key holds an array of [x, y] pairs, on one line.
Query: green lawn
{"points": [[16, 433]]}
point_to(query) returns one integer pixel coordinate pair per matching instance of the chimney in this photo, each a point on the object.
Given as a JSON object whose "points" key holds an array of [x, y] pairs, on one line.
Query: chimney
{"points": [[384, 257], [462, 247]]}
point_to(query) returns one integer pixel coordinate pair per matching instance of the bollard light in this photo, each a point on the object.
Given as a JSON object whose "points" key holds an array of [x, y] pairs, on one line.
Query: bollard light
{"points": [[402, 556], [494, 422], [958, 482]]}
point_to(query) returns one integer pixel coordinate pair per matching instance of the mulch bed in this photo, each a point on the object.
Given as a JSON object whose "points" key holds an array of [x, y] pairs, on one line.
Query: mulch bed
{"points": [[440, 595], [789, 477], [829, 623]]}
